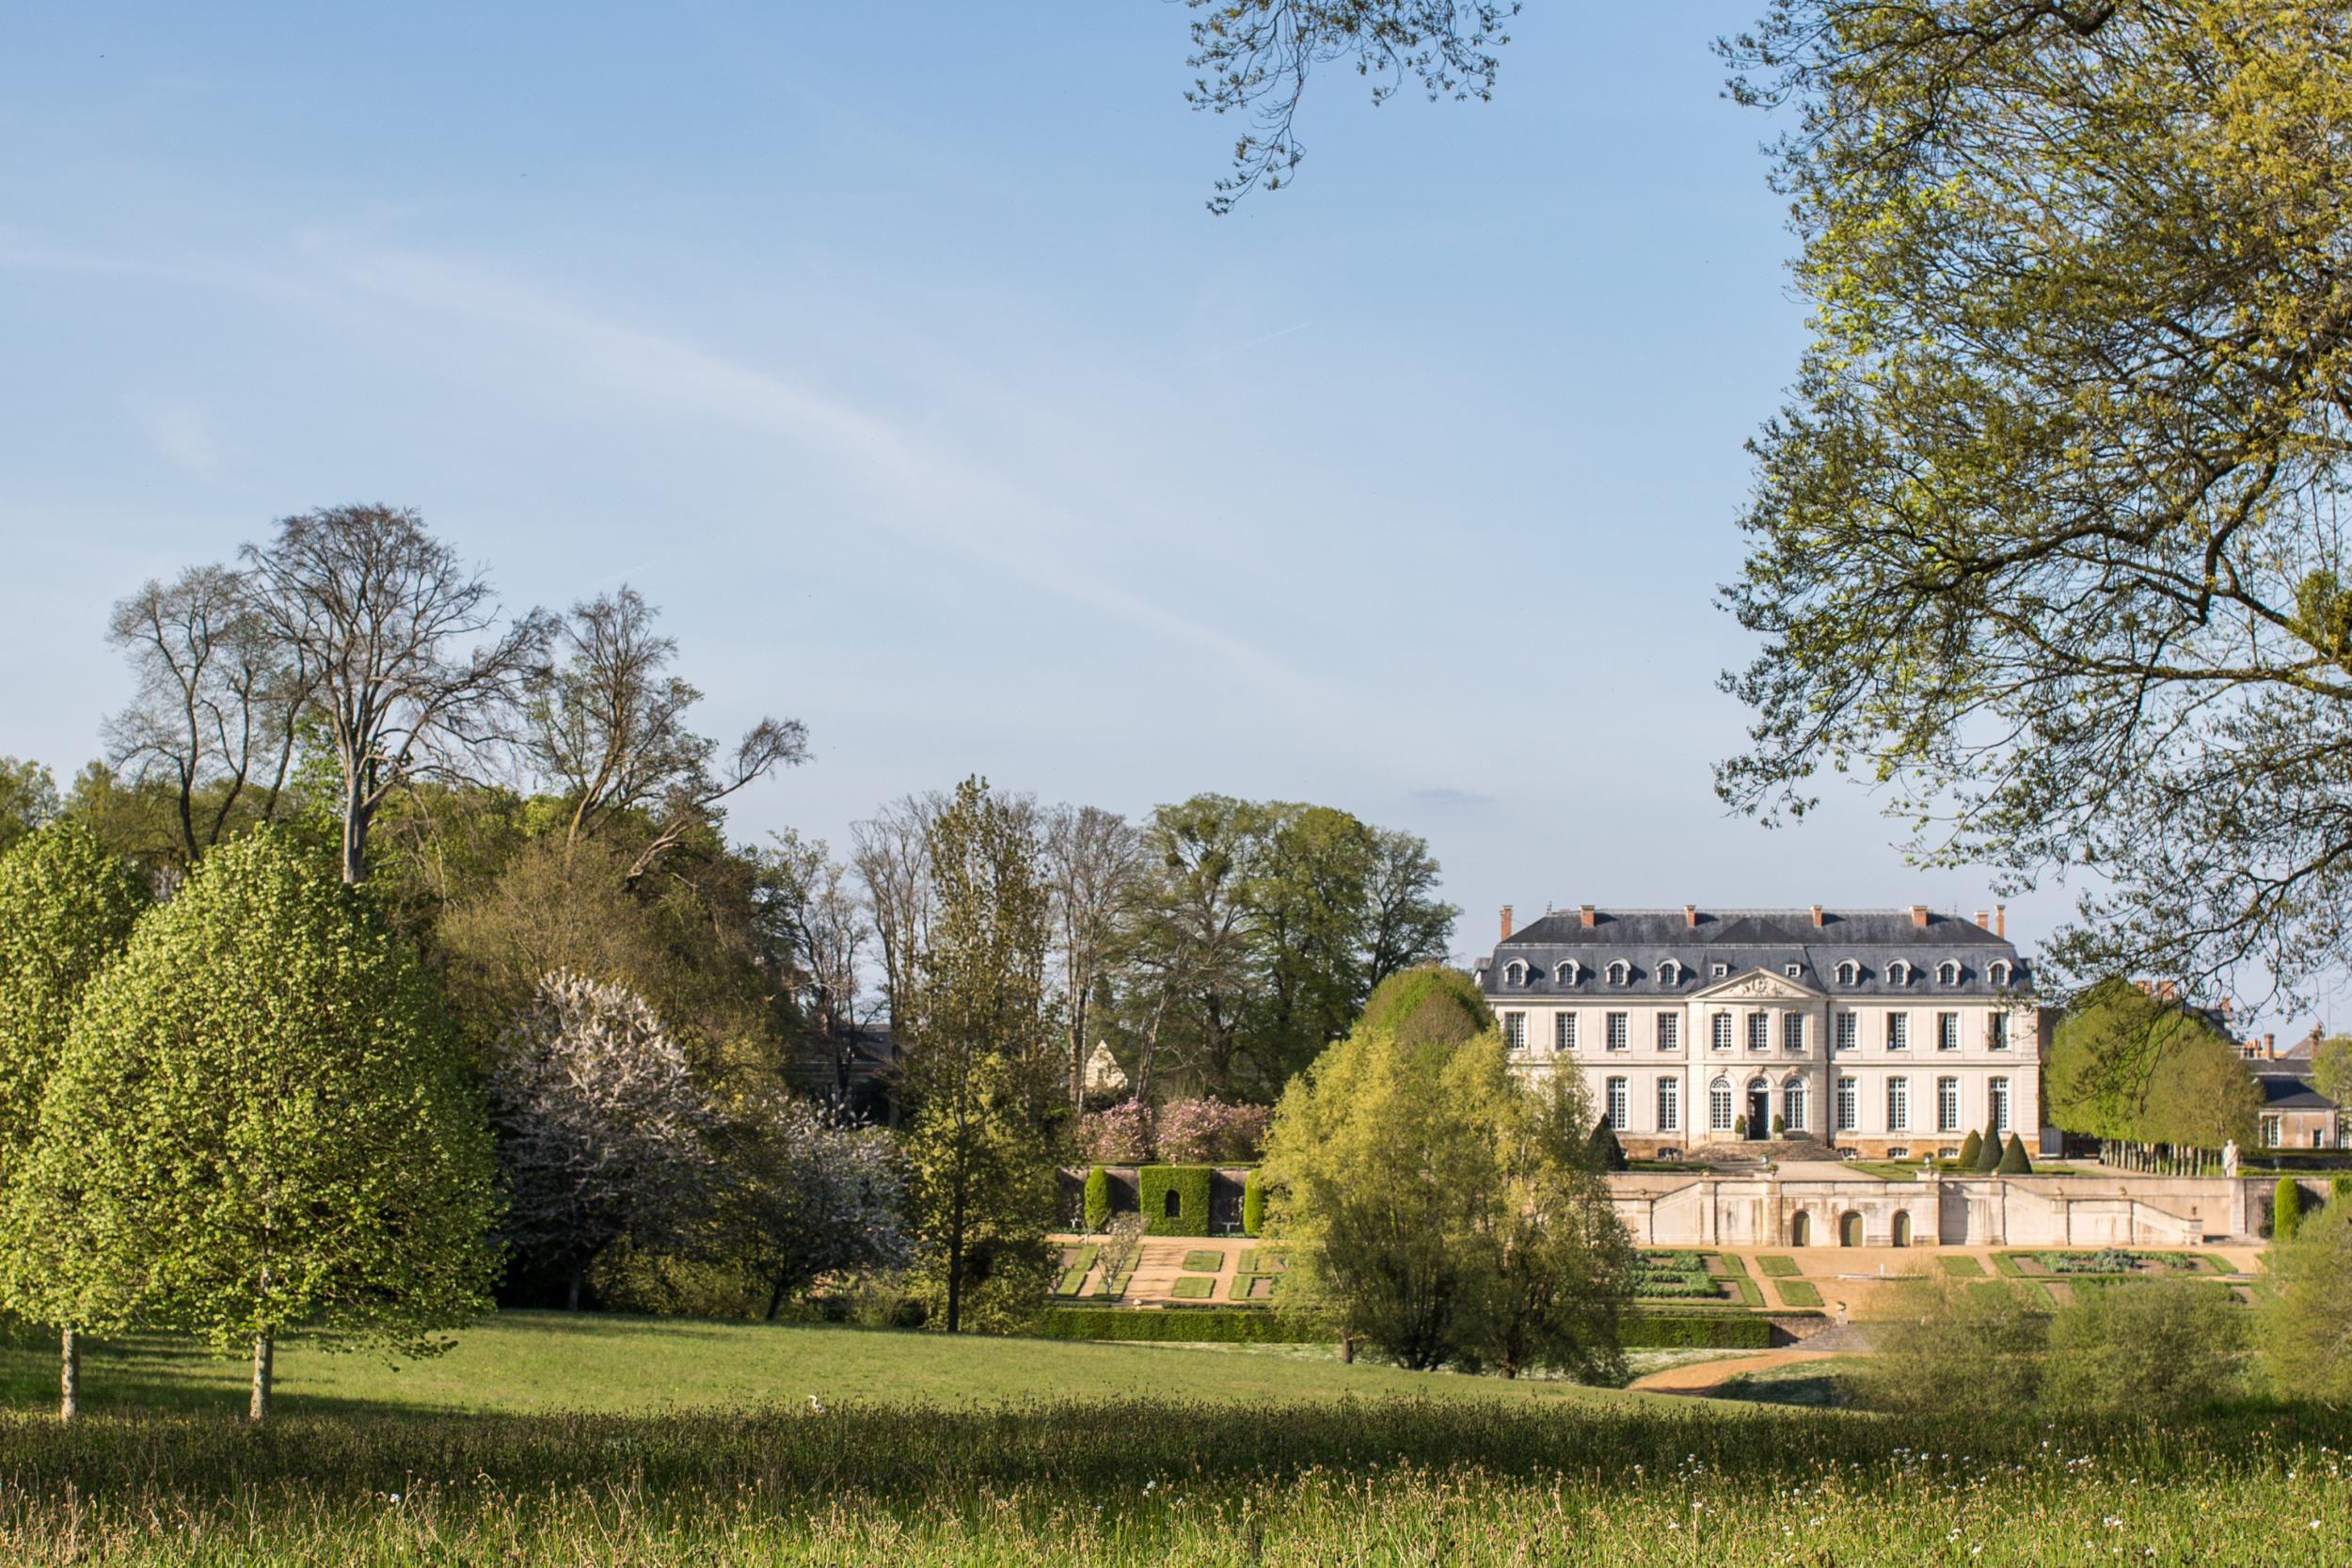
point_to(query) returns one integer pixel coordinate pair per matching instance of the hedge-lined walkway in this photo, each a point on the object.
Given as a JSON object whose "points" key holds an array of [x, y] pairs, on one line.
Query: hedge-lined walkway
{"points": [[1161, 1261]]}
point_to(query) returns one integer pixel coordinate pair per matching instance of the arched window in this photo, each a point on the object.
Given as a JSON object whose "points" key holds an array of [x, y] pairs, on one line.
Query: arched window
{"points": [[1719, 1105], [1898, 973], [1620, 972], [1947, 972], [1998, 972], [1174, 1207], [1516, 972], [1792, 1103], [1670, 973], [1849, 974], [1567, 972]]}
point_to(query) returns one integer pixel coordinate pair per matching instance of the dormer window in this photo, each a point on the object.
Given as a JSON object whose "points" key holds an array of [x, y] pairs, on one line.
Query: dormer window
{"points": [[1567, 972], [1998, 973], [1516, 972], [1718, 970], [1898, 973], [1794, 972], [1670, 973], [1849, 974], [1947, 972], [1620, 972]]}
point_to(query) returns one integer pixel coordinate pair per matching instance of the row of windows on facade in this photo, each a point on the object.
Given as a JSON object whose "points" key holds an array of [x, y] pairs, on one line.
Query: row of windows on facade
{"points": [[1796, 1103], [1617, 1029], [1568, 971]]}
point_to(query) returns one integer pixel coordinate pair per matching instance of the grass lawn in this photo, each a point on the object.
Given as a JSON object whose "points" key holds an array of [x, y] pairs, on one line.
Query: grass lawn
{"points": [[1778, 1267], [1962, 1267], [537, 1362], [1203, 1263], [652, 1444], [1193, 1287], [1797, 1292]]}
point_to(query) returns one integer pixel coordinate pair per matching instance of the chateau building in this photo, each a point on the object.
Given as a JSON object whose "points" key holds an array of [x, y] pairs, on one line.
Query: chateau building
{"points": [[1891, 1033]]}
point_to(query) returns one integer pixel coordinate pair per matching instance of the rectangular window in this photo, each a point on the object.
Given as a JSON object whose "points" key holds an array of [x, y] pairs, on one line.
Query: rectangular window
{"points": [[1759, 1031], [1669, 1031], [1947, 1104], [1719, 1106], [1999, 1035], [1563, 1031], [1899, 1104], [1947, 1031], [1616, 1031], [2272, 1131], [1792, 1031], [1669, 1105], [1998, 1090], [1515, 1031], [1849, 1031], [1721, 1026], [1898, 1031], [1847, 1107], [1616, 1103]]}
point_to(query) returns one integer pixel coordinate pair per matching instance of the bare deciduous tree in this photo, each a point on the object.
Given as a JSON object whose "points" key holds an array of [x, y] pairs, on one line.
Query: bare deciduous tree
{"points": [[218, 698], [821, 926], [1091, 860], [606, 1133], [890, 854], [381, 613], [608, 726]]}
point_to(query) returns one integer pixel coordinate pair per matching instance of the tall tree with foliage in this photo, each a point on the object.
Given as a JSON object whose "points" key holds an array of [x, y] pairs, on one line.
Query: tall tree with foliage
{"points": [[67, 908], [1092, 859], [28, 798], [808, 1194], [982, 1066], [2134, 1066], [263, 1123], [1442, 1211], [2046, 537], [2303, 1326]]}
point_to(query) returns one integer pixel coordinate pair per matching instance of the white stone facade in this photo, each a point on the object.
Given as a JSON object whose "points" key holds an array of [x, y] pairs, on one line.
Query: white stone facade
{"points": [[1892, 1048]]}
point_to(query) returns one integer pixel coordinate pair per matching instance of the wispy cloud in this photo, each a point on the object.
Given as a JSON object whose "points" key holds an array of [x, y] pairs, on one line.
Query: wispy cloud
{"points": [[183, 434], [1445, 796]]}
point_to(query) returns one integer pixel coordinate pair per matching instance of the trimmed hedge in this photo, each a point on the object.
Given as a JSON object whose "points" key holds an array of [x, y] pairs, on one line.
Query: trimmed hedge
{"points": [[1208, 1325], [2287, 1210], [1188, 1185], [1252, 1204], [1694, 1331], [1098, 1200]]}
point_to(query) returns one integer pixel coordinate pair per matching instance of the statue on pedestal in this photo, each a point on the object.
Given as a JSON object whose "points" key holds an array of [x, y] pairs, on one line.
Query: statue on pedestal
{"points": [[2229, 1158]]}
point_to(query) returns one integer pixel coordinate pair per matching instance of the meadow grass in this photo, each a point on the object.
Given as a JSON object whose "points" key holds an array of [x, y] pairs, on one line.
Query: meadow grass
{"points": [[967, 1460]]}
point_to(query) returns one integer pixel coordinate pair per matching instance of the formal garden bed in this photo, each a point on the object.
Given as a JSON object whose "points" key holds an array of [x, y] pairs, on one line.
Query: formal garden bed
{"points": [[2112, 1262], [1687, 1277]]}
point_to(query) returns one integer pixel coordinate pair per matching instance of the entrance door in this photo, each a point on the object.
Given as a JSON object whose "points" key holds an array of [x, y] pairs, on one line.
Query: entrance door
{"points": [[1902, 1229], [1850, 1230], [1759, 1113]]}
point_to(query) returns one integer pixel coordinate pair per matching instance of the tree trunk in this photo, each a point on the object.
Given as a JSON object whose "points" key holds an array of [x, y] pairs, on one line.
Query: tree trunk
{"points": [[775, 1298], [264, 1352], [69, 1375], [571, 1298], [1347, 1349]]}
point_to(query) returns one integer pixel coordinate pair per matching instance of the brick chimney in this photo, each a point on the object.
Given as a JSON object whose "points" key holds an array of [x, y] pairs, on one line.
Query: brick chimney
{"points": [[2270, 1048], [1919, 915], [1984, 918], [1584, 915], [2000, 921], [1817, 916], [1506, 923], [1691, 914]]}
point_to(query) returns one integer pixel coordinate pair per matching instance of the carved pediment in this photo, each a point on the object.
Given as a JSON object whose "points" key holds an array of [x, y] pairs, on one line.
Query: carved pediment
{"points": [[1759, 985]]}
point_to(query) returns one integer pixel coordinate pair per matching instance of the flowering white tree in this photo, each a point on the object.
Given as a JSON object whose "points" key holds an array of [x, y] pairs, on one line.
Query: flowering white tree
{"points": [[812, 1194], [604, 1132]]}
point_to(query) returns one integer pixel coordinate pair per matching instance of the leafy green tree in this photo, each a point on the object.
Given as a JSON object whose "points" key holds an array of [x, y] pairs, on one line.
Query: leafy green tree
{"points": [[67, 908], [2127, 1065], [2331, 1068], [2159, 1348], [1430, 1003], [28, 798], [2046, 538], [1442, 1211], [264, 1122], [982, 1069], [2303, 1325]]}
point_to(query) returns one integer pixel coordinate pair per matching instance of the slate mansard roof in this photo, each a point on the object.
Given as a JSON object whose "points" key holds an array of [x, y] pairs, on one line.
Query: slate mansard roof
{"points": [[1744, 939]]}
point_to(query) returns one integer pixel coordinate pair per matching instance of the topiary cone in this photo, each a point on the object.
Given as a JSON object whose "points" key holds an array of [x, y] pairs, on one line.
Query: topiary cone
{"points": [[1970, 1147], [2014, 1161]]}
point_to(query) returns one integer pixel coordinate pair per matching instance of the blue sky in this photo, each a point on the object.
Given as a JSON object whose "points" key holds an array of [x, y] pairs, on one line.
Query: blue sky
{"points": [[890, 351]]}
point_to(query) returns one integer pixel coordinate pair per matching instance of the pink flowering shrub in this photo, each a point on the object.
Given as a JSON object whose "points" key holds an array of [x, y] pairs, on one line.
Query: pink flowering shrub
{"points": [[1205, 1131], [1122, 1136]]}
